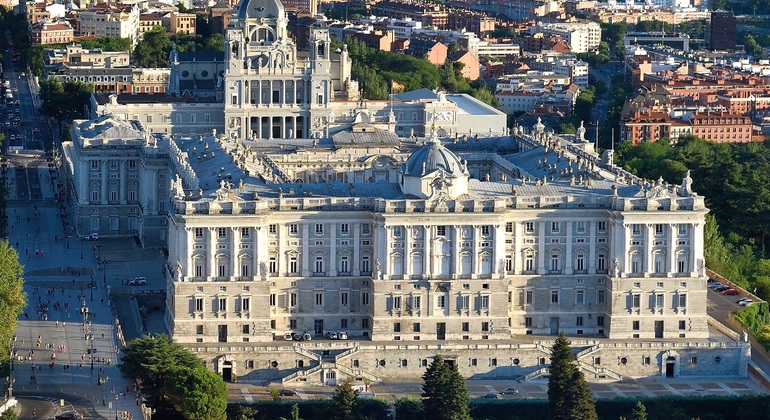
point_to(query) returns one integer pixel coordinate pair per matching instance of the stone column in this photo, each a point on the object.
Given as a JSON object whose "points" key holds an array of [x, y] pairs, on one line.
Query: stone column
{"points": [[456, 265], [356, 248], [333, 250], [696, 249], [427, 258], [212, 252], [541, 267], [592, 247], [234, 262], [517, 251], [305, 249], [648, 241], [104, 181], [498, 252], [475, 246], [282, 257], [671, 256], [407, 252], [123, 181], [386, 263], [568, 257], [188, 269]]}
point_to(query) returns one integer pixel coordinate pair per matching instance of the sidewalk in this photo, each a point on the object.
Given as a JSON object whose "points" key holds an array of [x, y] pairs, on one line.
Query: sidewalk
{"points": [[57, 283]]}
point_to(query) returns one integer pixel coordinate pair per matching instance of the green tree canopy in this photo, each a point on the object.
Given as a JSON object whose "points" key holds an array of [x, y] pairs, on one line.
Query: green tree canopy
{"points": [[568, 394], [344, 400], [153, 360], [444, 393], [154, 48], [12, 296], [107, 43], [197, 393]]}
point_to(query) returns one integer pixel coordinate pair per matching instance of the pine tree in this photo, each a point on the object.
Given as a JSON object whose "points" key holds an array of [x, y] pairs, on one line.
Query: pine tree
{"points": [[445, 396], [344, 400], [568, 394], [640, 412]]}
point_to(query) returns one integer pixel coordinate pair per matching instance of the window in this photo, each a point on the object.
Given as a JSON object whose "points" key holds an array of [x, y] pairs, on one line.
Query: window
{"points": [[485, 326], [396, 303], [682, 325], [222, 304], [485, 230], [601, 226], [554, 296], [319, 298], [272, 265], [293, 324], [636, 229], [343, 323], [293, 265], [659, 300], [199, 304], [244, 233], [272, 229], [580, 262], [366, 229], [272, 299], [529, 227], [440, 230], [344, 299], [682, 229], [600, 296], [293, 229], [529, 297], [529, 262], [441, 302], [579, 321], [508, 227], [528, 321], [416, 302], [600, 321], [397, 231], [485, 302], [554, 227], [344, 264], [580, 227], [635, 325], [245, 304], [682, 300], [416, 327], [466, 326], [636, 301], [222, 233], [580, 297], [658, 229], [245, 329], [292, 299], [397, 327], [365, 264], [319, 229], [365, 298], [319, 264], [199, 329], [601, 262], [465, 302], [554, 262], [344, 228]]}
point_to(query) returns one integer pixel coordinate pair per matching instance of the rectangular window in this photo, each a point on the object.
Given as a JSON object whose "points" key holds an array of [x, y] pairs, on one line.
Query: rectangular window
{"points": [[659, 300], [658, 229], [509, 227], [485, 302], [272, 299], [319, 298], [366, 229], [222, 304], [580, 227], [245, 328], [636, 301], [599, 321], [601, 226], [245, 304], [319, 264], [600, 296], [682, 325], [485, 326], [199, 304], [682, 229], [554, 227], [440, 230], [465, 302], [554, 296], [466, 326], [579, 321], [529, 227], [364, 298], [199, 329], [397, 231], [397, 327], [244, 233], [319, 229], [441, 302], [222, 233], [416, 327], [528, 321], [682, 300], [396, 303], [636, 229], [485, 230], [529, 297], [292, 300], [580, 297], [293, 229], [344, 228], [635, 325]]}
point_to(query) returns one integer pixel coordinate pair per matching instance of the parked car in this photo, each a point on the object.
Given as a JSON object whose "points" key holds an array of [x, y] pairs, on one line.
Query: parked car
{"points": [[491, 396], [723, 288], [715, 285], [331, 335], [91, 237], [729, 292], [138, 281], [745, 302], [287, 393], [509, 391], [71, 415]]}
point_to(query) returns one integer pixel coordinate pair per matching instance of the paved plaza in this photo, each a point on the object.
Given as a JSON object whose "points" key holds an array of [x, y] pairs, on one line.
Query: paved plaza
{"points": [[62, 276]]}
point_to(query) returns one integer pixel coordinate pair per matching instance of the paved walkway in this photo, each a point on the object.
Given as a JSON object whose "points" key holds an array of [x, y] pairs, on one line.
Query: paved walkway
{"points": [[60, 279]]}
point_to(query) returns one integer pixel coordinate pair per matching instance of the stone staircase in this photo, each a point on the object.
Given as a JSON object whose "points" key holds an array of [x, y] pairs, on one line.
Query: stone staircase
{"points": [[534, 375], [599, 372], [327, 363]]}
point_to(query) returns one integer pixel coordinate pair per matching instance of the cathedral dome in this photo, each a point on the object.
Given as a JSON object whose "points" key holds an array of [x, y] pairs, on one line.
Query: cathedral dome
{"points": [[259, 9], [431, 157]]}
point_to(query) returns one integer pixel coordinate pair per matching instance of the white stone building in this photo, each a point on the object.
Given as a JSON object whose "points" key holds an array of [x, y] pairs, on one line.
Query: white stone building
{"points": [[580, 36]]}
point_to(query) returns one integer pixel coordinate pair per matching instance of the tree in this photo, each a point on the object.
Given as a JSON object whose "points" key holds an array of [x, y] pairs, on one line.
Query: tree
{"points": [[197, 393], [154, 48], [12, 296], [9, 415], [568, 394], [640, 412], [445, 396], [344, 399], [153, 360], [241, 412]]}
